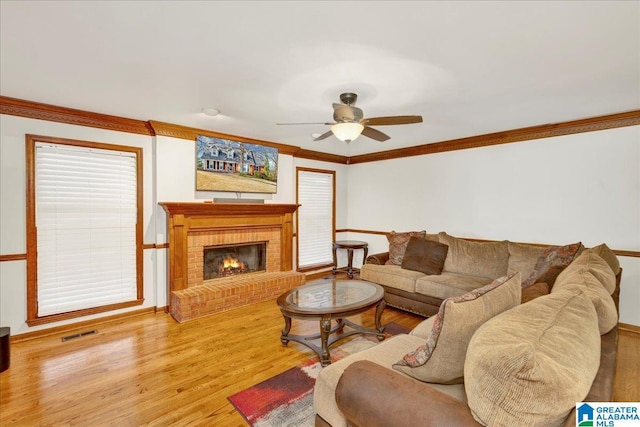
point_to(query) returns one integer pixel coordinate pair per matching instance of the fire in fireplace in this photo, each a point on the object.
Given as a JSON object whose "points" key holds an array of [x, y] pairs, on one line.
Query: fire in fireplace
{"points": [[231, 260]]}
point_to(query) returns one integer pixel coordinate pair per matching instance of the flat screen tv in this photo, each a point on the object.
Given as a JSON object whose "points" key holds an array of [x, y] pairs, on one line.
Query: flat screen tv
{"points": [[240, 167]]}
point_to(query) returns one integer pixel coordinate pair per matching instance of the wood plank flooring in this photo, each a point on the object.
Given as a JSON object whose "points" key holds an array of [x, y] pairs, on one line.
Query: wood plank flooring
{"points": [[150, 370]]}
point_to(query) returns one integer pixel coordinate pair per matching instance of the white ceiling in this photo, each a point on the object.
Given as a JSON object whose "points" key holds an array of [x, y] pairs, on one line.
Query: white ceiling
{"points": [[468, 67]]}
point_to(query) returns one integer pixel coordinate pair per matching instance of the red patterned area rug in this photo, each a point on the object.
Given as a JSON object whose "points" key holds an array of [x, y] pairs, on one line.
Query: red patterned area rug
{"points": [[286, 400]]}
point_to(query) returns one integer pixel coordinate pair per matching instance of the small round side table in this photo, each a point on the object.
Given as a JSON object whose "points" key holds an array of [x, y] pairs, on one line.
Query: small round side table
{"points": [[350, 246]]}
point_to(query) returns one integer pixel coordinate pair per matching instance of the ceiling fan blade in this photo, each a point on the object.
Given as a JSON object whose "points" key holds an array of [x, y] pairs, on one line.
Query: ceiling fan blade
{"points": [[305, 124], [324, 136], [374, 134], [392, 120]]}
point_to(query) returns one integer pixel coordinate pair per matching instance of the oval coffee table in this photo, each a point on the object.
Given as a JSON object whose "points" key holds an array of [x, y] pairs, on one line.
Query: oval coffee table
{"points": [[326, 300]]}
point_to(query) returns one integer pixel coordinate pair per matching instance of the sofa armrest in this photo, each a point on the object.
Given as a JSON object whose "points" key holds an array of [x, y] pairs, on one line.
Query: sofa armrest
{"points": [[379, 259], [364, 398]]}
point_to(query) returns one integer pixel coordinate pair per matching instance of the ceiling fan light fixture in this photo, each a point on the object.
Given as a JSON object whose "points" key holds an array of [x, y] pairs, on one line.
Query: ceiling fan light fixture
{"points": [[347, 132]]}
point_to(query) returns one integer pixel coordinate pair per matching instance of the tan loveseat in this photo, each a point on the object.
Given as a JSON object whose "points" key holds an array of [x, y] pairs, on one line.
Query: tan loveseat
{"points": [[488, 359], [468, 265]]}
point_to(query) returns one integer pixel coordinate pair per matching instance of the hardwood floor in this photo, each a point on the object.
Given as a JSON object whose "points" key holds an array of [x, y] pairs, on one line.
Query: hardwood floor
{"points": [[627, 381], [151, 370]]}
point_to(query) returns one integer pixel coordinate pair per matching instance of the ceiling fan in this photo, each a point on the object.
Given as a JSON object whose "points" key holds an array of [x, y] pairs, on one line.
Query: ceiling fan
{"points": [[350, 121]]}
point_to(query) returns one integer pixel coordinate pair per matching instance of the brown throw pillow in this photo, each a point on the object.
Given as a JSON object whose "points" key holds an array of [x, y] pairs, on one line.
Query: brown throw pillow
{"points": [[551, 263], [398, 244], [425, 256]]}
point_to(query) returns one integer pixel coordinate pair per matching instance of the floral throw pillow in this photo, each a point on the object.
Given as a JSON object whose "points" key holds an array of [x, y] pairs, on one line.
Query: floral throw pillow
{"points": [[398, 244], [441, 359], [551, 263]]}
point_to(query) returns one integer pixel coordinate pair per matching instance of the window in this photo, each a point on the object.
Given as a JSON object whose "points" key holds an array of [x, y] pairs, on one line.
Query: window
{"points": [[315, 218], [84, 228]]}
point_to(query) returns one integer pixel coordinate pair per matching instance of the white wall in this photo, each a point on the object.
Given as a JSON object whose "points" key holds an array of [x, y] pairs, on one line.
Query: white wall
{"points": [[583, 187]]}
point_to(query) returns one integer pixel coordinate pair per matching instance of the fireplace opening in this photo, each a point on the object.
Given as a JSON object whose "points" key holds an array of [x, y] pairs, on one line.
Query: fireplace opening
{"points": [[232, 260]]}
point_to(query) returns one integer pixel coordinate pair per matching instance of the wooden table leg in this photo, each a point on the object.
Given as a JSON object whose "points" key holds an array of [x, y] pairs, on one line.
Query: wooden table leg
{"points": [[350, 264], [285, 331], [379, 309], [325, 331]]}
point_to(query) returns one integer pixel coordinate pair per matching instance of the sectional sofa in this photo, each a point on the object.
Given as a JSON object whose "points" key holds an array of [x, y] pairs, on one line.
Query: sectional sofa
{"points": [[499, 354], [413, 283]]}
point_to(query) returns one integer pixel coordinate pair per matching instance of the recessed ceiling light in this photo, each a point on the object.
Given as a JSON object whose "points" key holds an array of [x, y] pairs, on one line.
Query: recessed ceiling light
{"points": [[211, 112]]}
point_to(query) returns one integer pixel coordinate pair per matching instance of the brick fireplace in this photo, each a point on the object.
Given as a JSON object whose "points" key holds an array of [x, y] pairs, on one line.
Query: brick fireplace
{"points": [[192, 228]]}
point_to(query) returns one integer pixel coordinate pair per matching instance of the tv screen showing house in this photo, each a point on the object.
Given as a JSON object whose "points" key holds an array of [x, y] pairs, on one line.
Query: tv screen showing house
{"points": [[227, 165]]}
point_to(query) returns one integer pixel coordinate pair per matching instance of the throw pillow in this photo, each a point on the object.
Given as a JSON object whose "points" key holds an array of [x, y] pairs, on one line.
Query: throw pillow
{"points": [[398, 244], [425, 256], [534, 291], [551, 263], [441, 358], [530, 365]]}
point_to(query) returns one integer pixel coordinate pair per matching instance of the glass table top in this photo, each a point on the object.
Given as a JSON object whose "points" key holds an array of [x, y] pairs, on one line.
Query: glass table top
{"points": [[333, 294]]}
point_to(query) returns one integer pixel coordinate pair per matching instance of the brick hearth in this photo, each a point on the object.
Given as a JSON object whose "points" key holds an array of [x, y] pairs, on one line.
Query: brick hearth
{"points": [[193, 226], [218, 295]]}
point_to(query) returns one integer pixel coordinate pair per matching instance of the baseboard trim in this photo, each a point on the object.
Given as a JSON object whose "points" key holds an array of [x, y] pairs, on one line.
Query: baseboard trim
{"points": [[629, 328], [79, 325]]}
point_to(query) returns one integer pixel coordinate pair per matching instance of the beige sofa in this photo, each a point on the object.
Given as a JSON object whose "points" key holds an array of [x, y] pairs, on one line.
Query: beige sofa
{"points": [[487, 359], [468, 265]]}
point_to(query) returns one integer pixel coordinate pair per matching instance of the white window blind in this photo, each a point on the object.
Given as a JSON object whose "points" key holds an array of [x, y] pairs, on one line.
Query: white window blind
{"points": [[86, 216], [315, 218]]}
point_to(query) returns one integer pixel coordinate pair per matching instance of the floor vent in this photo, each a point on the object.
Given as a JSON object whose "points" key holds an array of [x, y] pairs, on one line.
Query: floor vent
{"points": [[81, 334]]}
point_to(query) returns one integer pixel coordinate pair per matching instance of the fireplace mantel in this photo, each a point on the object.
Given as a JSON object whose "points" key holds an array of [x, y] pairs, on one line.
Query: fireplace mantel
{"points": [[189, 218], [217, 209]]}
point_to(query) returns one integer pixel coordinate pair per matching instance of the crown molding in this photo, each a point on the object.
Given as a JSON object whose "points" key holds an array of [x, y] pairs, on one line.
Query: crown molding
{"points": [[189, 133], [322, 157], [53, 113], [41, 111], [630, 118]]}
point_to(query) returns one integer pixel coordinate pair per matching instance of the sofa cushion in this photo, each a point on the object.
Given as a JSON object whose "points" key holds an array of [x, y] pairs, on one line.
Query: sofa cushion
{"points": [[384, 354], [551, 263], [530, 365], [398, 244], [589, 261], [425, 256], [534, 291], [486, 259], [441, 358], [447, 285], [585, 281], [604, 252], [424, 328], [523, 258], [393, 276]]}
